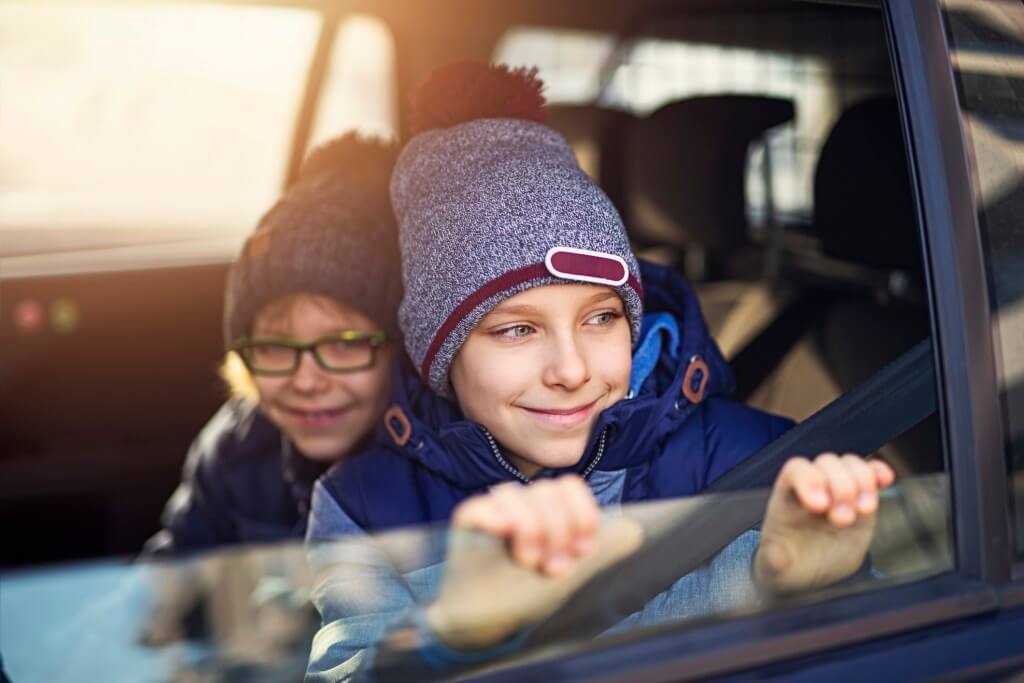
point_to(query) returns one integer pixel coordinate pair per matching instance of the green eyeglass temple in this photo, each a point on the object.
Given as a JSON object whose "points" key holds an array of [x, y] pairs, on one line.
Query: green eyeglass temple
{"points": [[269, 356]]}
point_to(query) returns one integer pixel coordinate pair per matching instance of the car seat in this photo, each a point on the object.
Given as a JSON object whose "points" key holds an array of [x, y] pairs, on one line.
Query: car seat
{"points": [[864, 216]]}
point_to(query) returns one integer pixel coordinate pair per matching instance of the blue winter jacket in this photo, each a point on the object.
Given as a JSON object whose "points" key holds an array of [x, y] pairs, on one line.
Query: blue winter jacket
{"points": [[243, 482], [659, 444]]}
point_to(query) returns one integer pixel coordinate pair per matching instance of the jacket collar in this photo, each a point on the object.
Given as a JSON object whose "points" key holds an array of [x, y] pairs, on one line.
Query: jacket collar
{"points": [[440, 439]]}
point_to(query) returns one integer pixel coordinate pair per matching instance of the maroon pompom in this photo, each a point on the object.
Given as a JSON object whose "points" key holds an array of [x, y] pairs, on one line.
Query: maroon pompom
{"points": [[369, 157], [466, 91]]}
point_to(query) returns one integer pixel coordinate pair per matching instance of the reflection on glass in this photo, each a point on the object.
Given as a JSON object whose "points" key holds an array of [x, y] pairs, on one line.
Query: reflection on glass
{"points": [[988, 59], [248, 614], [690, 568]]}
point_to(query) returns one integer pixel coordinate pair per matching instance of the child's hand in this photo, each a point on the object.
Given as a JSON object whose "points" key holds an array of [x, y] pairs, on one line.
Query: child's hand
{"points": [[540, 543], [820, 521]]}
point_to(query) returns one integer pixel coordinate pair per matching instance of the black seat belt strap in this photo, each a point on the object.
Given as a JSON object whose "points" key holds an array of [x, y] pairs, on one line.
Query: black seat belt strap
{"points": [[892, 401]]}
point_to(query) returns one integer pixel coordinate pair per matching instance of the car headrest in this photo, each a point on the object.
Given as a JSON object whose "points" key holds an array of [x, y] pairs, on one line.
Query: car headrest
{"points": [[685, 169], [595, 135], [863, 203]]}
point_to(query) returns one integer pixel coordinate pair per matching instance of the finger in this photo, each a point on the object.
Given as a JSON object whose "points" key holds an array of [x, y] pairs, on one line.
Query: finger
{"points": [[866, 500], [584, 511], [479, 513], [841, 488], [807, 483], [556, 526], [884, 474], [524, 533]]}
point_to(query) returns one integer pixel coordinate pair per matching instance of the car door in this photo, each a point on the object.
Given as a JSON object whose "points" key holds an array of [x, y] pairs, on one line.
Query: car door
{"points": [[956, 65]]}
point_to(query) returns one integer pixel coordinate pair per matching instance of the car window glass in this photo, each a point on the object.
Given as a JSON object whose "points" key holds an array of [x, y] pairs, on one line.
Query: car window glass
{"points": [[249, 610], [144, 123], [359, 87], [643, 74], [987, 41]]}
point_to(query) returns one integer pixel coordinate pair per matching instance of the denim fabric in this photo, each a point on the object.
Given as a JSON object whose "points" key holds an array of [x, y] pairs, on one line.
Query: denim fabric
{"points": [[722, 585], [361, 596]]}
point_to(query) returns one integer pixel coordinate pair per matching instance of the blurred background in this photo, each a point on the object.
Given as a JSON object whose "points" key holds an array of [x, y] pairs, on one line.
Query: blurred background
{"points": [[141, 141]]}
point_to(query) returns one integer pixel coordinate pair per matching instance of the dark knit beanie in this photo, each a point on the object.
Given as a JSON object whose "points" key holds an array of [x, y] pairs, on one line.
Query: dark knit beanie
{"points": [[491, 202], [331, 233]]}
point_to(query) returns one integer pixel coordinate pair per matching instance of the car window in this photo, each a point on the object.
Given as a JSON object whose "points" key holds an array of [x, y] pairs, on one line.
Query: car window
{"points": [[834, 309], [247, 613], [987, 41], [144, 123], [642, 74], [359, 89]]}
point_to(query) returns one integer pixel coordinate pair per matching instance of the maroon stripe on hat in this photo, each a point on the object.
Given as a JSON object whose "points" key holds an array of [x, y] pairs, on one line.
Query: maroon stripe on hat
{"points": [[588, 265], [489, 289], [635, 285]]}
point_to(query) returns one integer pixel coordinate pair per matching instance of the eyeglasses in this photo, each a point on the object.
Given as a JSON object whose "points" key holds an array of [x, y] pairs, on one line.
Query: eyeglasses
{"points": [[347, 351]]}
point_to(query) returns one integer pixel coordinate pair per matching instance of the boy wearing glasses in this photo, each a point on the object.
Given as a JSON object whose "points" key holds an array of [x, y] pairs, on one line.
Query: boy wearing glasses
{"points": [[309, 324]]}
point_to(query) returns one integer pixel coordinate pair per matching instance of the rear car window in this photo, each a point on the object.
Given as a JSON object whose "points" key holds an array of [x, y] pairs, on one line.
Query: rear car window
{"points": [[641, 74], [359, 90], [144, 122], [140, 132]]}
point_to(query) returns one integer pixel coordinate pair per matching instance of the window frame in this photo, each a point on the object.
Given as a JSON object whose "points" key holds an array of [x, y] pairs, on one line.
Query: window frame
{"points": [[970, 415], [958, 289]]}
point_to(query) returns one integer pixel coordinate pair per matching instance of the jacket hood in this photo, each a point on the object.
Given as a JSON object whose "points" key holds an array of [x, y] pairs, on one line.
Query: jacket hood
{"points": [[432, 431]]}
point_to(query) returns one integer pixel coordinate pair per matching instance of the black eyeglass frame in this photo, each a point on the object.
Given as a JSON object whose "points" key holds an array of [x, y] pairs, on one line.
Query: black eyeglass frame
{"points": [[374, 340]]}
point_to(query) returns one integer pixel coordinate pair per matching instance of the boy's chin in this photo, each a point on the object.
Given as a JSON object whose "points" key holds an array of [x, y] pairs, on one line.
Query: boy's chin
{"points": [[324, 450], [555, 456]]}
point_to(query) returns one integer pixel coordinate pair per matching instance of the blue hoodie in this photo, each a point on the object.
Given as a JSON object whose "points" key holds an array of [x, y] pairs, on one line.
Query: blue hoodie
{"points": [[658, 445]]}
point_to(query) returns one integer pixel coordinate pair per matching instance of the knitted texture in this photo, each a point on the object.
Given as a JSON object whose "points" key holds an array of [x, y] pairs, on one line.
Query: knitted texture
{"points": [[479, 205], [331, 233]]}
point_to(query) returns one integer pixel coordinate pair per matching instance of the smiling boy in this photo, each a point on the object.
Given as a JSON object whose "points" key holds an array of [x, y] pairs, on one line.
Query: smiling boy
{"points": [[552, 374], [309, 306]]}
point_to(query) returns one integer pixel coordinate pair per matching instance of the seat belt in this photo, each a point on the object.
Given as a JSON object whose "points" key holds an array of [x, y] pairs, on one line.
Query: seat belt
{"points": [[891, 402]]}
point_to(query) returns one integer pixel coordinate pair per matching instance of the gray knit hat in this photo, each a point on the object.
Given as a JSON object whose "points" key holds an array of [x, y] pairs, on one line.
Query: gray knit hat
{"points": [[331, 233], [490, 207]]}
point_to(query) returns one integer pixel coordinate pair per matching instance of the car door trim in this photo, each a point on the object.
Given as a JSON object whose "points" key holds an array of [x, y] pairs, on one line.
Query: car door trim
{"points": [[958, 290]]}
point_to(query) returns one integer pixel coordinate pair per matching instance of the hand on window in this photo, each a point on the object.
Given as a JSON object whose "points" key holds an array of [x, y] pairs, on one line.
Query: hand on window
{"points": [[820, 521], [538, 544]]}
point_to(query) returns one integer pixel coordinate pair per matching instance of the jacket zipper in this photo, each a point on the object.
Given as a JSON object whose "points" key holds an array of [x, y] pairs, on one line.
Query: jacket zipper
{"points": [[511, 469], [597, 457], [501, 460]]}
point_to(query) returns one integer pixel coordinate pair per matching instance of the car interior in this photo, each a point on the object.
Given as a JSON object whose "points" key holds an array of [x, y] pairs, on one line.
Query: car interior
{"points": [[756, 147]]}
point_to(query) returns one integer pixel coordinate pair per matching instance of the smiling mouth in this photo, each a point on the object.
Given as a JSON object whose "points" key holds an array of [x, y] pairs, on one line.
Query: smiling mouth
{"points": [[315, 419], [563, 417]]}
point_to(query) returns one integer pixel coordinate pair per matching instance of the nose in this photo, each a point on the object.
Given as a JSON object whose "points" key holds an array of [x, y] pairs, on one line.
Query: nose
{"points": [[567, 365], [309, 377]]}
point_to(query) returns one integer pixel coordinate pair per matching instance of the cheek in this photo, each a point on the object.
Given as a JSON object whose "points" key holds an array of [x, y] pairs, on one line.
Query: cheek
{"points": [[269, 388], [485, 383], [614, 361], [370, 388]]}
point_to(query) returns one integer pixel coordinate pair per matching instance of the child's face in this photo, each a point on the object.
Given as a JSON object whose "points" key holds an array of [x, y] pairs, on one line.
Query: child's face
{"points": [[540, 367], [325, 414]]}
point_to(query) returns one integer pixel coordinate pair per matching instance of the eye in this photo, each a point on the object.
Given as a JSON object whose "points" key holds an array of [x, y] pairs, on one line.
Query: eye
{"points": [[604, 318], [514, 332]]}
